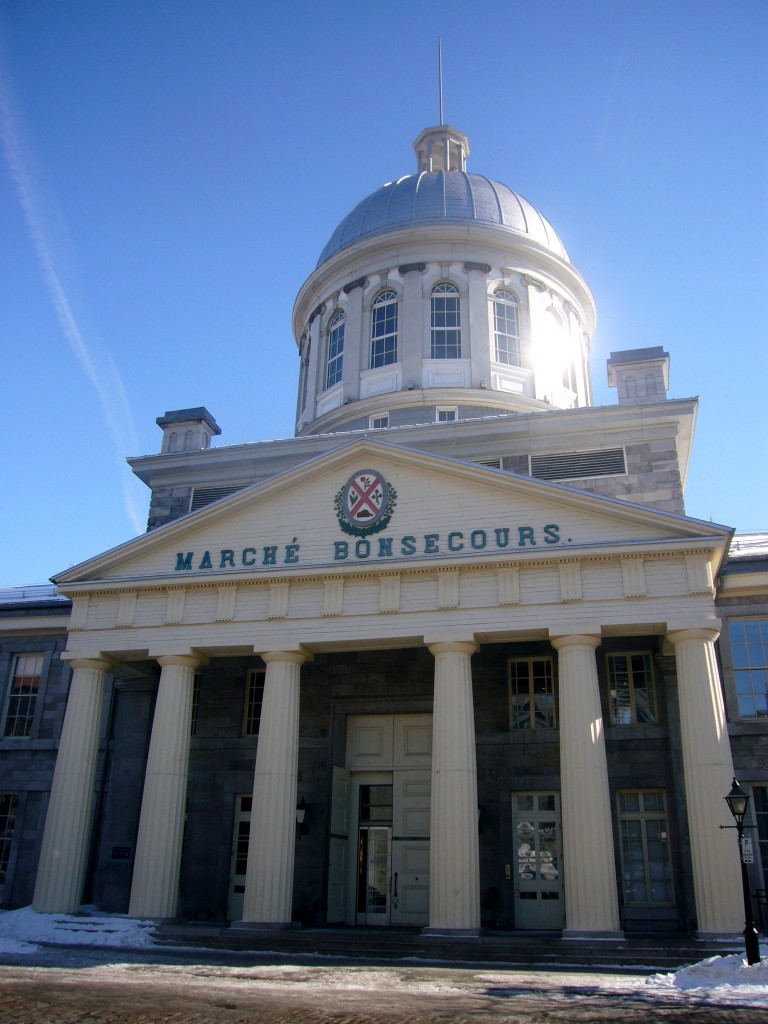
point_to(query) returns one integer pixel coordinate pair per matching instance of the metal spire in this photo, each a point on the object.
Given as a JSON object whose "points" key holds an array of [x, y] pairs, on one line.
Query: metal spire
{"points": [[440, 74]]}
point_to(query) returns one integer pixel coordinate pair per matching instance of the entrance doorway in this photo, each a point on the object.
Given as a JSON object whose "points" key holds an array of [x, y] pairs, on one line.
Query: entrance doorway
{"points": [[538, 860]]}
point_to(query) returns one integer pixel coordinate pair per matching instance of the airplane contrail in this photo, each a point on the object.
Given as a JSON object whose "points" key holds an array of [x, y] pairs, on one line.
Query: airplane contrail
{"points": [[107, 384]]}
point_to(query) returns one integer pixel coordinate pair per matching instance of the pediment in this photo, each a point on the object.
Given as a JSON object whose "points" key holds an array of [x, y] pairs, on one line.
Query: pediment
{"points": [[373, 506]]}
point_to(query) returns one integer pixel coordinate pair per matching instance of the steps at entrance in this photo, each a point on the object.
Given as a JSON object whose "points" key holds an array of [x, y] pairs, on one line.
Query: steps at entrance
{"points": [[647, 955]]}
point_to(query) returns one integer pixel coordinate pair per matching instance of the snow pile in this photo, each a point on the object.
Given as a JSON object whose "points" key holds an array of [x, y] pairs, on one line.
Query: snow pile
{"points": [[21, 929], [721, 979]]}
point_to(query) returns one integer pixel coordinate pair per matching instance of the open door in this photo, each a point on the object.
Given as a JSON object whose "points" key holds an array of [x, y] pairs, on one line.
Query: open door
{"points": [[339, 844]]}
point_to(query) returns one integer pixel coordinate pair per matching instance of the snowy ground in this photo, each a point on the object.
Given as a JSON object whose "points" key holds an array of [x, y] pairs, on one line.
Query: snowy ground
{"points": [[724, 981]]}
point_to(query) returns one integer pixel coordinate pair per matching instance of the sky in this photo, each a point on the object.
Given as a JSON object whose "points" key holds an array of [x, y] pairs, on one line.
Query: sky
{"points": [[170, 171]]}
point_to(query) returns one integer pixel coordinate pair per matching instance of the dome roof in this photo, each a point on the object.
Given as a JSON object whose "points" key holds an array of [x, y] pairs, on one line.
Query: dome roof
{"points": [[442, 197]]}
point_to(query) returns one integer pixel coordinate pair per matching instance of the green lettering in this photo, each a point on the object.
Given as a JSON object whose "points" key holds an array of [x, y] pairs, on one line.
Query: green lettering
{"points": [[249, 551], [408, 546], [502, 537], [227, 558], [431, 546], [385, 547], [451, 545], [292, 551], [526, 534], [551, 533], [362, 548], [270, 555], [478, 539], [184, 561], [340, 550], [205, 562]]}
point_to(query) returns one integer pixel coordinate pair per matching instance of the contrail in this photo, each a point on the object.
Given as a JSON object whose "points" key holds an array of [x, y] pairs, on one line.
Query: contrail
{"points": [[111, 393]]}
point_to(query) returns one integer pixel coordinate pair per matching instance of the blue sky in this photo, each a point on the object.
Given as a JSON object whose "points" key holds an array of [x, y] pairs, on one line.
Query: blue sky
{"points": [[171, 171]]}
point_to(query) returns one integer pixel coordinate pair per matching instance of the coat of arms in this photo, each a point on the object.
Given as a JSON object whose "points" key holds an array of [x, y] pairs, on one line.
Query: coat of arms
{"points": [[365, 503]]}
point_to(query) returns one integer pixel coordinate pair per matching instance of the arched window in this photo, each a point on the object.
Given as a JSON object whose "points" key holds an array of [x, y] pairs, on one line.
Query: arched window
{"points": [[446, 322], [506, 328], [335, 349], [384, 329]]}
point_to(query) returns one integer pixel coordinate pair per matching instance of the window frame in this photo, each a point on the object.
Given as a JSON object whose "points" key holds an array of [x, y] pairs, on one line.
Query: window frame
{"points": [[516, 719], [334, 363], [746, 670], [616, 709], [645, 817], [446, 413], [384, 326], [31, 715], [374, 425], [252, 717], [506, 340], [444, 338]]}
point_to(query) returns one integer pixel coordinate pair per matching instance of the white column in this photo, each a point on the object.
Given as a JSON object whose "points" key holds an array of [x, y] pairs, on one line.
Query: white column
{"points": [[64, 853], [454, 881], [708, 771], [155, 885], [268, 898], [591, 902]]}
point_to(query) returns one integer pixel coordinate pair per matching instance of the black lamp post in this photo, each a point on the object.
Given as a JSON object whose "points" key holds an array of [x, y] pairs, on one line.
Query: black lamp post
{"points": [[738, 801]]}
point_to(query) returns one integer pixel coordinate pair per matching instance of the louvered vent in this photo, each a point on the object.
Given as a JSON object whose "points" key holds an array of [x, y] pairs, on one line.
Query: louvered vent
{"points": [[575, 465], [202, 496], [491, 463]]}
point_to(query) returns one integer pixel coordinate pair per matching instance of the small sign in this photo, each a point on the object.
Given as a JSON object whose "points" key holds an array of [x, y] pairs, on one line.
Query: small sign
{"points": [[747, 850], [121, 853]]}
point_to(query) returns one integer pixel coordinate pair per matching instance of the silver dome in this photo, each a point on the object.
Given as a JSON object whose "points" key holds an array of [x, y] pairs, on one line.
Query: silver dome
{"points": [[442, 197]]}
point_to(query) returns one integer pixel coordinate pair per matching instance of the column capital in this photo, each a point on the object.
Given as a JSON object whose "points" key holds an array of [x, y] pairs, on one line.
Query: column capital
{"points": [[576, 640], [453, 647], [293, 657], [706, 634], [183, 660], [99, 664]]}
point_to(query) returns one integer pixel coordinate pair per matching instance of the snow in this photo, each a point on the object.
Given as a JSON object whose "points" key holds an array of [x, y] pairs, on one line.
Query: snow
{"points": [[726, 980]]}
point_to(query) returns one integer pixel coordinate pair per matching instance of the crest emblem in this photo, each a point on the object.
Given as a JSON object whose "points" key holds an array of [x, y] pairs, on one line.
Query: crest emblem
{"points": [[365, 503]]}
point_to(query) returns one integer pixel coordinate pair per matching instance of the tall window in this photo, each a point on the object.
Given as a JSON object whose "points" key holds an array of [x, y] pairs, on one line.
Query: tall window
{"points": [[531, 693], [8, 805], [335, 350], [749, 645], [632, 690], [506, 328], [254, 695], [760, 796], [646, 868], [22, 695], [446, 322], [384, 329]]}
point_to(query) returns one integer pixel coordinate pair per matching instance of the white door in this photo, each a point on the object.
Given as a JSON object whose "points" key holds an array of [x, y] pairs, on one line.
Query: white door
{"points": [[537, 863], [242, 831], [410, 848]]}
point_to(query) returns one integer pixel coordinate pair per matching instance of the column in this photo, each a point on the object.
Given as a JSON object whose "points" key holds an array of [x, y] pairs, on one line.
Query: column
{"points": [[268, 899], [155, 885], [454, 881], [66, 838], [591, 902], [708, 771]]}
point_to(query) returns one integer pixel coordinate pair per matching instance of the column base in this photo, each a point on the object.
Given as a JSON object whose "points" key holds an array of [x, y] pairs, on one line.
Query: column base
{"points": [[576, 933], [265, 926], [451, 933]]}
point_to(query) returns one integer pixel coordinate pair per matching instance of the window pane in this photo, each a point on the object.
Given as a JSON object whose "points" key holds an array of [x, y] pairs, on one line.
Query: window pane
{"points": [[254, 696], [749, 647], [22, 695]]}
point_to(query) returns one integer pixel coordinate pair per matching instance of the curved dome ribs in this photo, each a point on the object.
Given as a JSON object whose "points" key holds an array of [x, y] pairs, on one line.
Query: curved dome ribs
{"points": [[442, 197]]}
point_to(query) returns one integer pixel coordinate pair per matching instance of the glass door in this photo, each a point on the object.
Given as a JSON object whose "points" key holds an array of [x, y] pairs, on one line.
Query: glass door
{"points": [[374, 854], [538, 861]]}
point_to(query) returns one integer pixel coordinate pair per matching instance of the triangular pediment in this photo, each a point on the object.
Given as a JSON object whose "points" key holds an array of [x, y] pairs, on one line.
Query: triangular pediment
{"points": [[371, 505]]}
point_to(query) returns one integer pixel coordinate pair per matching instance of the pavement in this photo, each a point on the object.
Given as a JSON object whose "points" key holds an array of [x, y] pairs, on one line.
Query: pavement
{"points": [[79, 985]]}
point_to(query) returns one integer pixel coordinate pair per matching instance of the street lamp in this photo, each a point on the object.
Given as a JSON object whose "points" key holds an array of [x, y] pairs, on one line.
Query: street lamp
{"points": [[738, 801]]}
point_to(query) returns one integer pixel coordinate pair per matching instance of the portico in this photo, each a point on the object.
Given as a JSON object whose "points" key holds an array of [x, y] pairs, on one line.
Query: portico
{"points": [[440, 633]]}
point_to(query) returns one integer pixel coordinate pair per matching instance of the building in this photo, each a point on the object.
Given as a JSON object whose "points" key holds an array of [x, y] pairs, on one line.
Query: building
{"points": [[446, 658]]}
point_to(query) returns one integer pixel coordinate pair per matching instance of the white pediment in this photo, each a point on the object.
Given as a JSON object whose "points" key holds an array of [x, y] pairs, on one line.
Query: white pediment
{"points": [[411, 509]]}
